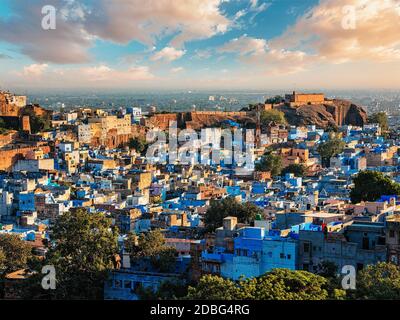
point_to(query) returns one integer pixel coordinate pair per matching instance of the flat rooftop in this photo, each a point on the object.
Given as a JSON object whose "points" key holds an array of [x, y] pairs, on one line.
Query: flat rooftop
{"points": [[324, 215]]}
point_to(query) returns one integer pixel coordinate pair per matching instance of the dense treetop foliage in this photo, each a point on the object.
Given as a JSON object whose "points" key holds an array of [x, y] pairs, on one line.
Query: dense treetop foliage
{"points": [[371, 185], [219, 210]]}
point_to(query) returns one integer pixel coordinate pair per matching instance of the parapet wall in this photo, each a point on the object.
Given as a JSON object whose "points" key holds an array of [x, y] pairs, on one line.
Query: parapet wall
{"points": [[196, 119], [221, 113], [9, 156]]}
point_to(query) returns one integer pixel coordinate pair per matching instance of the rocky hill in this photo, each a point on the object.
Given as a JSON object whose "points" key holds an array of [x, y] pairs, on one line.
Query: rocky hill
{"points": [[330, 114], [199, 119], [336, 113]]}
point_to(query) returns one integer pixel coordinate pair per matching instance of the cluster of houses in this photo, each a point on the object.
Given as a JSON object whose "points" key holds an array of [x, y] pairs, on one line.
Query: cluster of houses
{"points": [[306, 220]]}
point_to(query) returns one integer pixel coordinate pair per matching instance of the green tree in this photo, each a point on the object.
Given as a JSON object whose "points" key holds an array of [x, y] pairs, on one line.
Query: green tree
{"points": [[278, 284], [276, 99], [151, 245], [378, 282], [284, 284], [2, 261], [38, 123], [334, 146], [327, 269], [298, 170], [380, 118], [371, 185], [168, 290], [3, 126], [220, 209], [139, 144], [83, 249], [16, 253], [273, 115], [212, 287], [270, 162]]}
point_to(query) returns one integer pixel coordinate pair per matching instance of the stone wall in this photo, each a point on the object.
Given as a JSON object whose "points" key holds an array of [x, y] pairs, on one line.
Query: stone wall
{"points": [[8, 138], [197, 120], [10, 105], [10, 155]]}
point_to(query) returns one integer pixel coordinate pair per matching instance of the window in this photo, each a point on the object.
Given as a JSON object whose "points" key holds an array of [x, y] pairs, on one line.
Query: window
{"points": [[315, 268], [306, 247], [282, 256], [117, 284], [365, 243], [289, 256], [391, 233], [127, 284], [137, 285]]}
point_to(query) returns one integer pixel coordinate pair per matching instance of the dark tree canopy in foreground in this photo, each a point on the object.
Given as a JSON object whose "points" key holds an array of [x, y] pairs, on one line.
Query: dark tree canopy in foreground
{"points": [[278, 284], [83, 251], [14, 253], [297, 169], [151, 245], [334, 146], [371, 185], [219, 210], [380, 282]]}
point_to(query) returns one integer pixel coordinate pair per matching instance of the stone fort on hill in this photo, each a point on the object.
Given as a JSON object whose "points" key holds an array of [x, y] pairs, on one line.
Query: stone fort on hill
{"points": [[15, 111], [299, 109]]}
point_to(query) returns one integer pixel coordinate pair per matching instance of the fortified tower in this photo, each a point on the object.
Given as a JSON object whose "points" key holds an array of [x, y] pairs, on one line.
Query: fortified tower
{"points": [[300, 99]]}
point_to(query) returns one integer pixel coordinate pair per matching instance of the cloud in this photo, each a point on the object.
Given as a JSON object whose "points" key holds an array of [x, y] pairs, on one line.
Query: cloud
{"points": [[79, 24], [256, 53], [4, 56], [202, 54], [244, 45], [35, 70], [105, 73], [253, 10], [318, 37], [168, 54], [278, 61], [99, 75], [123, 21], [68, 43], [374, 38], [177, 70]]}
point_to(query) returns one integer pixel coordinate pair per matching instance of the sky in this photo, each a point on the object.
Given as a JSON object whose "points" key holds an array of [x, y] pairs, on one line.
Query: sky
{"points": [[201, 44]]}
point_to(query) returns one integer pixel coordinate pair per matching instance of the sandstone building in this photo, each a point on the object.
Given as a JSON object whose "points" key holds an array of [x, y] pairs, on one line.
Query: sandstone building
{"points": [[110, 131], [298, 99], [11, 105]]}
